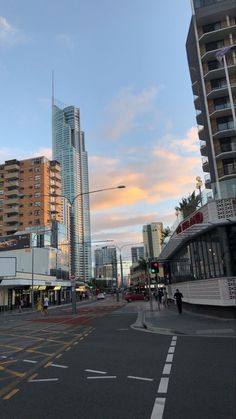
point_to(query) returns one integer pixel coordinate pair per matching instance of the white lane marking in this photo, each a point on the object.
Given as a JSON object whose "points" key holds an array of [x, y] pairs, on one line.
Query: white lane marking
{"points": [[59, 366], [174, 338], [173, 343], [140, 378], [3, 356], [169, 358], [42, 380], [158, 408], [166, 369], [122, 329], [98, 372], [171, 350], [96, 378], [163, 385], [30, 361]]}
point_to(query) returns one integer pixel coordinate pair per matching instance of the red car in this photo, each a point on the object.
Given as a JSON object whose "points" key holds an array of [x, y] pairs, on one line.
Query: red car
{"points": [[133, 296]]}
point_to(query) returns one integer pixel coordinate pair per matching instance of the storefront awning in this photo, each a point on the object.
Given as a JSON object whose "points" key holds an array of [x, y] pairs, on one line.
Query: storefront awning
{"points": [[42, 287], [57, 288]]}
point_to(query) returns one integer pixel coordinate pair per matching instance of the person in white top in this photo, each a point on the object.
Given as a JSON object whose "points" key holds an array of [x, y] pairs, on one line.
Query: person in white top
{"points": [[45, 305]]}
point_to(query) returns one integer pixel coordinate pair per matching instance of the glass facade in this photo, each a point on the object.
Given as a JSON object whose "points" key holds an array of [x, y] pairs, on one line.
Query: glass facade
{"points": [[203, 3], [211, 255], [69, 150]]}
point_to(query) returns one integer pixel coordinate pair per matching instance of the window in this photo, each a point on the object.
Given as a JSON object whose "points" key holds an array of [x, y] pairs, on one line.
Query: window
{"points": [[213, 65], [225, 123], [211, 27], [211, 46], [37, 204], [218, 83], [37, 195], [37, 212], [221, 103], [37, 169], [37, 177], [37, 186]]}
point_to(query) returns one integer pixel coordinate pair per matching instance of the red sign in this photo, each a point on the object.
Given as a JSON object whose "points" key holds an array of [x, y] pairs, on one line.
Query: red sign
{"points": [[195, 219]]}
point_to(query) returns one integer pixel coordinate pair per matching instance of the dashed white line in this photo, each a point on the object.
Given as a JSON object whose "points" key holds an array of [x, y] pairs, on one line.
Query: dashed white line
{"points": [[30, 361], [139, 378], [166, 369], [59, 366], [169, 357], [171, 350], [163, 385], [95, 371], [105, 377], [174, 338], [42, 380], [173, 343], [158, 408]]}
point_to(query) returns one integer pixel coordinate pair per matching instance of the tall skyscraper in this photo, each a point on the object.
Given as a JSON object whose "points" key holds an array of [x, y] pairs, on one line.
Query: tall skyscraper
{"points": [[68, 146], [211, 51], [152, 235], [104, 258]]}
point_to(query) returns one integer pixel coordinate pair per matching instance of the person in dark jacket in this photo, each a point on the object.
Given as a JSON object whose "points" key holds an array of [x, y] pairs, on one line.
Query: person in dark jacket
{"points": [[178, 298]]}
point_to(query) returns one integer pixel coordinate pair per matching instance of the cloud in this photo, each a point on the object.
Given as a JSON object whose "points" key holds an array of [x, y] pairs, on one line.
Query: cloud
{"points": [[14, 153], [65, 41], [190, 143], [9, 35], [127, 108]]}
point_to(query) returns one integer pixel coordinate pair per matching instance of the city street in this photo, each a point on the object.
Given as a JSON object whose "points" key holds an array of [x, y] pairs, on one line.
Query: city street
{"points": [[94, 365]]}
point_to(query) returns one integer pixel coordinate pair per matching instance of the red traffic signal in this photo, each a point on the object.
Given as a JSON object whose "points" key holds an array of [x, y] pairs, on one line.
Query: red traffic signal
{"points": [[154, 267]]}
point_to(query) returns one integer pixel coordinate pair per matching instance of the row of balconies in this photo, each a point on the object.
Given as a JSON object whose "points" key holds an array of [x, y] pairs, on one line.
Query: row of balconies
{"points": [[221, 30]]}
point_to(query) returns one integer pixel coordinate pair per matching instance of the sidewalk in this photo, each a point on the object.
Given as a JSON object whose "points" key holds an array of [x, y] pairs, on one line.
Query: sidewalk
{"points": [[168, 321]]}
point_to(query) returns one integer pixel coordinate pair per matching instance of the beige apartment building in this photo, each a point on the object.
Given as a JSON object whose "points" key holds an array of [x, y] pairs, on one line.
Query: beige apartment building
{"points": [[30, 194]]}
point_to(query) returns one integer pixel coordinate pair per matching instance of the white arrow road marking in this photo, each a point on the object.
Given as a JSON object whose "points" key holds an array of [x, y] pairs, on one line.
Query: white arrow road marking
{"points": [[42, 380], [140, 378], [98, 372], [96, 378]]}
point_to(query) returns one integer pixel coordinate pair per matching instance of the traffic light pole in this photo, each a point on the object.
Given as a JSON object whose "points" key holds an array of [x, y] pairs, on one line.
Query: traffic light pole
{"points": [[149, 286]]}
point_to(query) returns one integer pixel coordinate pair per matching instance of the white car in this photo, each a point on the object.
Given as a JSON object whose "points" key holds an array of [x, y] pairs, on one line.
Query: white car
{"points": [[100, 296]]}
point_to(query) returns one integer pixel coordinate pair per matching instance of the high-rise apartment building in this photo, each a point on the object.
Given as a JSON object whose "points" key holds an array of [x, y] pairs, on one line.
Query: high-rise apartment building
{"points": [[68, 147], [213, 30], [30, 193], [152, 238], [137, 253]]}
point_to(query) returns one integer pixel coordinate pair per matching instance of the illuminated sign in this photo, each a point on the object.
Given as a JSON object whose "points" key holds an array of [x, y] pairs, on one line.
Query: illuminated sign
{"points": [[195, 219], [14, 242]]}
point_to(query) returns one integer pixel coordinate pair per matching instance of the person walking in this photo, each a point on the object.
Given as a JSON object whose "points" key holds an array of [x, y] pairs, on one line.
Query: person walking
{"points": [[45, 305], [165, 298], [178, 298]]}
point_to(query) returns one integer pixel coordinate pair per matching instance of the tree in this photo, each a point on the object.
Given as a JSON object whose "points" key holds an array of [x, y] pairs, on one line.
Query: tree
{"points": [[188, 205], [165, 233]]}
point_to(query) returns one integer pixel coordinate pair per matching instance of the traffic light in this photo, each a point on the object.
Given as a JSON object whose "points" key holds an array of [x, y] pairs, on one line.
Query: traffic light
{"points": [[154, 267]]}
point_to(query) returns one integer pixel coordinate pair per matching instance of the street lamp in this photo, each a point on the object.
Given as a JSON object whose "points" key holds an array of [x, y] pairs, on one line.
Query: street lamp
{"points": [[72, 230]]}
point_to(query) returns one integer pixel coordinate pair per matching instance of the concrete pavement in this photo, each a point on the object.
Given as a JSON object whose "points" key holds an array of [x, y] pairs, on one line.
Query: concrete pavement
{"points": [[168, 321]]}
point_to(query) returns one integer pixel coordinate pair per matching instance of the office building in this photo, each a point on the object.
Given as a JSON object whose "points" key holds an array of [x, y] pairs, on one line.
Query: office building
{"points": [[29, 194], [105, 262], [211, 51], [137, 253], [152, 237], [68, 146]]}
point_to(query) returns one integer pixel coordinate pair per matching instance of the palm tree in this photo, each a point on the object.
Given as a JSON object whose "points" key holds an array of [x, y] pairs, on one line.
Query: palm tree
{"points": [[165, 233], [188, 205]]}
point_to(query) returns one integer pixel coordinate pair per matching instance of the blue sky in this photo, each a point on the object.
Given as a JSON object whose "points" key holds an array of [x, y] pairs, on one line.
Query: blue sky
{"points": [[124, 64]]}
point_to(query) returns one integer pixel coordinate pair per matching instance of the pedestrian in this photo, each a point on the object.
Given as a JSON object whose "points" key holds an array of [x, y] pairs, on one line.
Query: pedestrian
{"points": [[45, 305], [40, 305], [178, 298], [160, 295], [165, 298]]}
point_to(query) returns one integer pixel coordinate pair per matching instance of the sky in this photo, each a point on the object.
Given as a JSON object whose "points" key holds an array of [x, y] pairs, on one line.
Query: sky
{"points": [[123, 63]]}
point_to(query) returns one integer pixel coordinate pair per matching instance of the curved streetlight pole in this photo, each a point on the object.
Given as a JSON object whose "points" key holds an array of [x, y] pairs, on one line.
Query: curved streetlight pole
{"points": [[72, 230]]}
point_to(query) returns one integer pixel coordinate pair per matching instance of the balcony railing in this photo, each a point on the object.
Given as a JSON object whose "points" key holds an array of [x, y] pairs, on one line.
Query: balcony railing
{"points": [[227, 170]]}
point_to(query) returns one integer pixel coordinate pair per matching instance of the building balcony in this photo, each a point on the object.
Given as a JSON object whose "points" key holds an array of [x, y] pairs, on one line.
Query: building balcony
{"points": [[207, 180], [217, 34], [13, 167], [205, 164], [211, 55], [12, 200], [225, 150], [219, 72], [8, 184], [13, 218], [201, 133], [13, 176], [224, 111], [12, 192], [203, 148], [199, 118], [9, 210], [11, 228], [228, 170], [222, 91]]}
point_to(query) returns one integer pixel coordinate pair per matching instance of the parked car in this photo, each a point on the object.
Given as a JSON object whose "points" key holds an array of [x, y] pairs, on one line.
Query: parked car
{"points": [[100, 296], [133, 296]]}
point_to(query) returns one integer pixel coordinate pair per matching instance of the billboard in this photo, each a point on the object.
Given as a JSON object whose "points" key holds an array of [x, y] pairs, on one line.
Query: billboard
{"points": [[7, 266], [14, 242]]}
